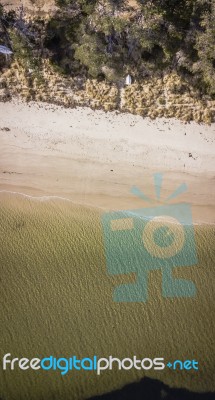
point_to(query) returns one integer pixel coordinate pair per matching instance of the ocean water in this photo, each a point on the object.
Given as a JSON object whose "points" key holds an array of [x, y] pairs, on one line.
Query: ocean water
{"points": [[56, 298]]}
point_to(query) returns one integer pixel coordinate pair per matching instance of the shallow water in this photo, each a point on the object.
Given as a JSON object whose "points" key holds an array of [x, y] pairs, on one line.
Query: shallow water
{"points": [[57, 299]]}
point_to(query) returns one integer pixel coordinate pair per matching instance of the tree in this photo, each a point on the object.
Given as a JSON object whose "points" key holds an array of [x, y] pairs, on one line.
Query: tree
{"points": [[91, 54], [158, 35], [205, 46]]}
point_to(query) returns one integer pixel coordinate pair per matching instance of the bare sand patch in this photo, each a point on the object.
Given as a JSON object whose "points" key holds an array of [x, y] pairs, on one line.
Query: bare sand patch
{"points": [[94, 158]]}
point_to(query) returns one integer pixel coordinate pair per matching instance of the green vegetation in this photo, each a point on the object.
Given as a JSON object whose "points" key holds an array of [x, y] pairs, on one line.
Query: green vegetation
{"points": [[82, 53], [106, 39], [148, 38]]}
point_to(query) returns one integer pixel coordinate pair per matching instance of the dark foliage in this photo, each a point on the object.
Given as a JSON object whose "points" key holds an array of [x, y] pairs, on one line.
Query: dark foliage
{"points": [[110, 38], [152, 389], [96, 37]]}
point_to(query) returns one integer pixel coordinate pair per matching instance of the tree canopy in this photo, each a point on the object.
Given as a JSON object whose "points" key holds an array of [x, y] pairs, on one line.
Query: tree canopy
{"points": [[107, 39]]}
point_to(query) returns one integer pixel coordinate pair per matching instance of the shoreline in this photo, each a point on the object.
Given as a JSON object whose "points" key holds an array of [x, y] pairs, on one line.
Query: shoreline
{"points": [[93, 158], [88, 206]]}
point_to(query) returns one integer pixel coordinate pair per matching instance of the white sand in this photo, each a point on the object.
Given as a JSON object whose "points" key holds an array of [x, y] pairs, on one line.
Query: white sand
{"points": [[70, 153]]}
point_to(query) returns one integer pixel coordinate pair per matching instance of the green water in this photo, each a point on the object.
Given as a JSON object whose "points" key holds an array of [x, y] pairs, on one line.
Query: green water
{"points": [[57, 299]]}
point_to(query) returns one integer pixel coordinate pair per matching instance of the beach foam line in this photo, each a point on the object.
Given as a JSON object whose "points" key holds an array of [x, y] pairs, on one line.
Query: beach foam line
{"points": [[50, 197], [55, 197]]}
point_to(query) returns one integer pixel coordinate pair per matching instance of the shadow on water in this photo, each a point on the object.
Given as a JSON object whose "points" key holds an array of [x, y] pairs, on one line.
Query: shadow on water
{"points": [[153, 389]]}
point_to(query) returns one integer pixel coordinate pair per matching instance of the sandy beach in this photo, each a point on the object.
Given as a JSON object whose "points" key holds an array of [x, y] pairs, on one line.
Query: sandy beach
{"points": [[94, 158]]}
